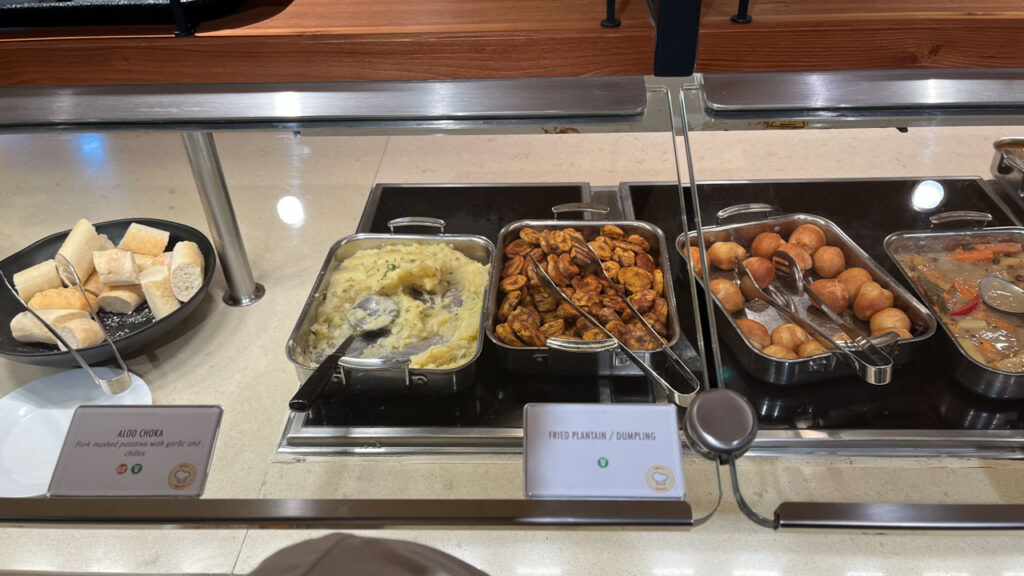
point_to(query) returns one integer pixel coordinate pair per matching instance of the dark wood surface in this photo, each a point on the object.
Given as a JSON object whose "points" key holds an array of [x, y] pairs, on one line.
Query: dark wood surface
{"points": [[341, 40]]}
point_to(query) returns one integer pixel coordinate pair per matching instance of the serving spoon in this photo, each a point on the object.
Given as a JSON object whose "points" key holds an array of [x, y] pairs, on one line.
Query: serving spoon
{"points": [[370, 315], [1001, 295]]}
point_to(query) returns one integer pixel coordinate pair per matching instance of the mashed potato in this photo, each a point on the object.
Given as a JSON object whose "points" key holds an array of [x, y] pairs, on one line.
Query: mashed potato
{"points": [[439, 293]]}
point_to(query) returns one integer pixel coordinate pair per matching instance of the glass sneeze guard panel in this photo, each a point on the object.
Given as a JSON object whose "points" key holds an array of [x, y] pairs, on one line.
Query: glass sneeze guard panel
{"points": [[356, 458], [934, 444]]}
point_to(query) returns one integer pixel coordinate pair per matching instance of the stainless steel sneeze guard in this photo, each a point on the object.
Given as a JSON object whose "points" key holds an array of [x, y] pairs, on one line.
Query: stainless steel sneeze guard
{"points": [[299, 439], [876, 89], [174, 106], [302, 513], [900, 516]]}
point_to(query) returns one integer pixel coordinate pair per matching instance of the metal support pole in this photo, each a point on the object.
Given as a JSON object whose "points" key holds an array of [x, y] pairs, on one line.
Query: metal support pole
{"points": [[742, 15], [220, 215], [610, 21]]}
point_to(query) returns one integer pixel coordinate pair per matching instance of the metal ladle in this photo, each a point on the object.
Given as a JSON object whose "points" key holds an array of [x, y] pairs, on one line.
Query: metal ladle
{"points": [[371, 314], [1001, 295]]}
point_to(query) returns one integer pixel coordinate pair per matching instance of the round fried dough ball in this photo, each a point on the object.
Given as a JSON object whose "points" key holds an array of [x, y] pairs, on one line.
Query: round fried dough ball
{"points": [[755, 332], [765, 244], [695, 260], [808, 236], [829, 261], [728, 293], [852, 279], [724, 254], [810, 348], [761, 269], [871, 298], [889, 318], [803, 259], [841, 337], [904, 334], [832, 294], [789, 336], [779, 352]]}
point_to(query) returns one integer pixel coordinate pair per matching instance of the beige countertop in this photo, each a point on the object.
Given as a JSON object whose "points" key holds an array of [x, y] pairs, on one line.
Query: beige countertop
{"points": [[234, 357]]}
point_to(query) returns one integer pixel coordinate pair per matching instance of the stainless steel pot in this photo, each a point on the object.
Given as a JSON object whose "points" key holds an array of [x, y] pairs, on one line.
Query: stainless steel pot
{"points": [[599, 357], [816, 368], [970, 373], [358, 375]]}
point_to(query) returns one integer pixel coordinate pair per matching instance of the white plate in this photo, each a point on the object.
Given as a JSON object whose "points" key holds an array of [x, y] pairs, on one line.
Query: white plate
{"points": [[34, 420]]}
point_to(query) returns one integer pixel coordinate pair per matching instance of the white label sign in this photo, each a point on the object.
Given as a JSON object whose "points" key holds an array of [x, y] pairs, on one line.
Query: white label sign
{"points": [[602, 450], [137, 451]]}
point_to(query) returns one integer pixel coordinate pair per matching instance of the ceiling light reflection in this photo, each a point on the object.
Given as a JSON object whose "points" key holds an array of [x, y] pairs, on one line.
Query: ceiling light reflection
{"points": [[291, 212], [927, 195]]}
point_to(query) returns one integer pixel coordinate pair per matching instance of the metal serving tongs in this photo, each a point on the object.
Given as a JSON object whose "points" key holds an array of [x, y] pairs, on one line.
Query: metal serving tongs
{"points": [[866, 369], [793, 280], [679, 398], [593, 266], [115, 385]]}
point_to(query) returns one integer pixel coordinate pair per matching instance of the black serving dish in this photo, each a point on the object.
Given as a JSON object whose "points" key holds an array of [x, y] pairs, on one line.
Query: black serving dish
{"points": [[130, 332]]}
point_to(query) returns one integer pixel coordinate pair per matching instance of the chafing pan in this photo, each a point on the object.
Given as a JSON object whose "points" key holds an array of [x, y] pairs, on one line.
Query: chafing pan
{"points": [[970, 373], [368, 376], [584, 357], [816, 368]]}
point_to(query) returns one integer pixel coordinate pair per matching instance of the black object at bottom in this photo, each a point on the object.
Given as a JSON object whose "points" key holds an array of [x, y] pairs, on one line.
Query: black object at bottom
{"points": [[17, 13]]}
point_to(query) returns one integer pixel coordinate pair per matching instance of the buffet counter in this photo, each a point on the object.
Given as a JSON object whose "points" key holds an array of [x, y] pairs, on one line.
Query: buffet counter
{"points": [[235, 357]]}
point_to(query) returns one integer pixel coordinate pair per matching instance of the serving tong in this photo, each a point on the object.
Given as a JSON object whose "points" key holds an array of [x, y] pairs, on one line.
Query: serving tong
{"points": [[115, 385], [872, 368], [679, 398]]}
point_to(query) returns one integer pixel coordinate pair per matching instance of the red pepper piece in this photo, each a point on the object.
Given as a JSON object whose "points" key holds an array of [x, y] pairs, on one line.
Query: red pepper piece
{"points": [[967, 308]]}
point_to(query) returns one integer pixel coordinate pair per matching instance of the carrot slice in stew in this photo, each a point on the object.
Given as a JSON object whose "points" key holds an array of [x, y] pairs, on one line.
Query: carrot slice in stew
{"points": [[989, 351], [1006, 326], [1001, 247], [973, 256], [965, 289]]}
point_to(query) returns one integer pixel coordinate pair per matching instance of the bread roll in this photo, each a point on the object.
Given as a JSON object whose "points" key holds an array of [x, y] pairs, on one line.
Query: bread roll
{"points": [[31, 281], [26, 328], [116, 267], [93, 284], [163, 260], [105, 243], [61, 299], [144, 239], [156, 286], [81, 332], [121, 299], [143, 261], [78, 248], [186, 270]]}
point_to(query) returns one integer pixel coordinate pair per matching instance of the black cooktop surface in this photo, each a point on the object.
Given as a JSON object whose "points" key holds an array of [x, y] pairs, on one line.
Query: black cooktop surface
{"points": [[921, 395]]}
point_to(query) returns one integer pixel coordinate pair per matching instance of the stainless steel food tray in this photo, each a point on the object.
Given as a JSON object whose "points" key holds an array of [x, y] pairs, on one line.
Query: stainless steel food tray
{"points": [[805, 370], [400, 379], [600, 357], [970, 373]]}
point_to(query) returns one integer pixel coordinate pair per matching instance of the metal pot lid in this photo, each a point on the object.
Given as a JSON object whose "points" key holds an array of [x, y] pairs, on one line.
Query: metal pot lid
{"points": [[720, 422]]}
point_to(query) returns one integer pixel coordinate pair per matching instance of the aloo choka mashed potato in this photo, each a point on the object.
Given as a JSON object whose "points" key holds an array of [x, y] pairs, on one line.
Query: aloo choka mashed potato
{"points": [[439, 293]]}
